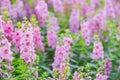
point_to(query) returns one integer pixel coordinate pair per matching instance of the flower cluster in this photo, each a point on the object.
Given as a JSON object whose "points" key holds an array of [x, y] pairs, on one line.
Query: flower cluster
{"points": [[5, 46], [41, 10], [27, 48], [74, 20], [100, 76], [109, 9], [8, 29], [17, 38], [98, 52], [38, 39], [108, 65], [86, 32], [76, 76], [58, 6], [61, 54], [52, 29]]}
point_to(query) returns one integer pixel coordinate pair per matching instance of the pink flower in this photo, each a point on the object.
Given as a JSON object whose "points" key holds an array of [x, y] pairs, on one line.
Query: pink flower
{"points": [[61, 54], [38, 39], [86, 33], [109, 9], [36, 74], [27, 48], [108, 65], [98, 52], [52, 28], [75, 76], [95, 3], [16, 40], [41, 10], [5, 48], [8, 29], [74, 21], [100, 76], [5, 3], [58, 6]]}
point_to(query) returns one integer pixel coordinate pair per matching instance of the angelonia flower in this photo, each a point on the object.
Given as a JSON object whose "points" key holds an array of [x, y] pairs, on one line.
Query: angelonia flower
{"points": [[17, 38], [28, 8], [109, 9], [98, 52], [36, 74], [85, 9], [27, 48], [20, 10], [86, 33], [49, 3], [76, 76], [100, 76], [15, 10], [8, 29], [5, 3], [52, 28], [58, 6], [74, 21], [5, 46], [41, 11], [108, 65], [94, 3], [96, 23], [37, 38], [61, 54]]}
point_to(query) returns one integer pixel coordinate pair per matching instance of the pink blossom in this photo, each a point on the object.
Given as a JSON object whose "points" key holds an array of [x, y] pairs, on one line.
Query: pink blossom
{"points": [[76, 76], [98, 52], [61, 54], [8, 29], [108, 65], [74, 21], [109, 9], [86, 32], [36, 74], [52, 29], [58, 6], [100, 76], [27, 48], [95, 3], [16, 40], [41, 10], [5, 48], [38, 39]]}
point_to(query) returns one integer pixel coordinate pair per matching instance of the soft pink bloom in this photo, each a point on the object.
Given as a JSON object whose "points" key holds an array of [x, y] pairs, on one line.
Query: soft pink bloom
{"points": [[108, 65], [36, 74], [52, 29], [86, 32], [58, 6], [74, 21], [41, 10], [5, 47], [76, 76], [98, 52], [8, 29], [61, 54], [100, 76], [38, 39], [16, 40], [27, 48], [109, 9]]}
